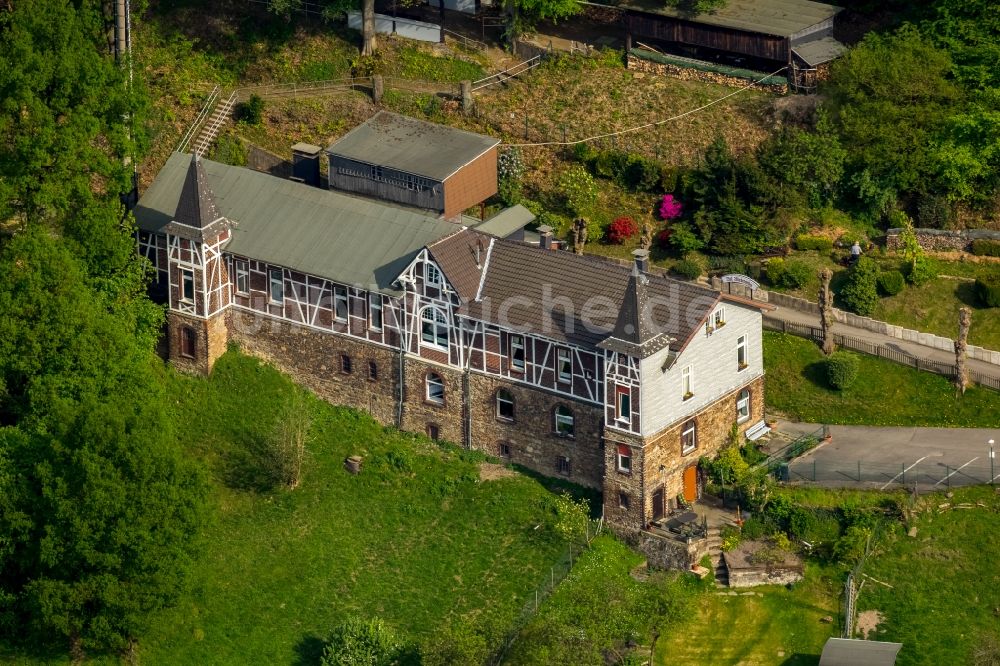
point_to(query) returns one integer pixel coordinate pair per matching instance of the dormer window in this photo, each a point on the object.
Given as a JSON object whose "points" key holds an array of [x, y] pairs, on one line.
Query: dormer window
{"points": [[432, 275]]}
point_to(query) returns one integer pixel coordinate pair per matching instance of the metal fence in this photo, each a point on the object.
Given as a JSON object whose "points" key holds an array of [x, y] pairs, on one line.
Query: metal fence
{"points": [[557, 573], [923, 475], [882, 351]]}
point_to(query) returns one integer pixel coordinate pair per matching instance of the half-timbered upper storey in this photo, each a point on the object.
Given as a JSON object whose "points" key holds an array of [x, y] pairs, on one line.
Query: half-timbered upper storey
{"points": [[647, 348]]}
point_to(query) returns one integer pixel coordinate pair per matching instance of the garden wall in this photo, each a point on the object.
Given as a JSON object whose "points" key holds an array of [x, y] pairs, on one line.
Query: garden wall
{"points": [[884, 328], [941, 240], [661, 552]]}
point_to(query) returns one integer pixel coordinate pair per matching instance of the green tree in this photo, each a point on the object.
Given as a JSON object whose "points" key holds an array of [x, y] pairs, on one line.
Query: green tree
{"points": [[98, 511], [523, 15], [358, 642], [580, 190], [810, 163], [860, 293]]}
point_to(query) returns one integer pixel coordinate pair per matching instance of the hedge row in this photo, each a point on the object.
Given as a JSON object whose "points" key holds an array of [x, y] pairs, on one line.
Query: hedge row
{"points": [[986, 248]]}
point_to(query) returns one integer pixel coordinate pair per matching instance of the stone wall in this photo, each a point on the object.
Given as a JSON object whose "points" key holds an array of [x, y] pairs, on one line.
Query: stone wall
{"points": [[779, 575], [661, 552], [531, 437], [885, 328], [658, 462], [689, 73], [211, 339], [943, 240]]}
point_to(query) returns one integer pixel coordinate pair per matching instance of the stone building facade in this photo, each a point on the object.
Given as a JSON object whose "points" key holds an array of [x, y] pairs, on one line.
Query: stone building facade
{"points": [[572, 366]]}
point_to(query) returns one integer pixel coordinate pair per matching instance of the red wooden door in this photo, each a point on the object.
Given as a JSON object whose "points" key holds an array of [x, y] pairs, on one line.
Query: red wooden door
{"points": [[691, 483]]}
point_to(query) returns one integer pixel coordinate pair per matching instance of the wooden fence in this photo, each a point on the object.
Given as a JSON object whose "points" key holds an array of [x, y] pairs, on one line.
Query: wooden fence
{"points": [[881, 351]]}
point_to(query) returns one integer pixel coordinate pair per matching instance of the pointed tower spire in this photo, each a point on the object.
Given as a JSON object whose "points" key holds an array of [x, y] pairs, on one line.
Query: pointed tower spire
{"points": [[197, 216], [635, 332]]}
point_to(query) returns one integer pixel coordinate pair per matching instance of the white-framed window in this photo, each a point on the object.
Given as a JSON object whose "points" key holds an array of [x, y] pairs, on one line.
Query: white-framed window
{"points": [[340, 303], [434, 388], [689, 437], [242, 277], [687, 383], [564, 365], [743, 406], [719, 318], [187, 285], [741, 353], [623, 403], [505, 405], [434, 328], [276, 286], [564, 421], [375, 311], [624, 459], [432, 275], [517, 352]]}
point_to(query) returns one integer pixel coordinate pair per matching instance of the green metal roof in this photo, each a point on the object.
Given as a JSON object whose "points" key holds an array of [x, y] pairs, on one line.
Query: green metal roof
{"points": [[505, 222], [412, 146], [328, 234], [783, 18], [819, 51]]}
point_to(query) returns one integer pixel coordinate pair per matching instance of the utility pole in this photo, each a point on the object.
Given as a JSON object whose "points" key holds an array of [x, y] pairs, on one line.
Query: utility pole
{"points": [[123, 55]]}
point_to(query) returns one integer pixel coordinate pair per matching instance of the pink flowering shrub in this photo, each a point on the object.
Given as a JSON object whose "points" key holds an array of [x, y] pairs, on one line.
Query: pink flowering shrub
{"points": [[670, 208]]}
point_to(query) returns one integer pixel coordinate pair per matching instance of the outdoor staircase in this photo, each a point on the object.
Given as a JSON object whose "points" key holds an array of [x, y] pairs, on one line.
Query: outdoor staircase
{"points": [[715, 553], [220, 116]]}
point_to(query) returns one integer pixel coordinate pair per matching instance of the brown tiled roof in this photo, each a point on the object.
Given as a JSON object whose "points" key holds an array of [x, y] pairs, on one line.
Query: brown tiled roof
{"points": [[578, 299], [462, 257]]}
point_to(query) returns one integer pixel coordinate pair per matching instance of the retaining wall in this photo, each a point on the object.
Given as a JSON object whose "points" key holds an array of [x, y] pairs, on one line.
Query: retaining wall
{"points": [[942, 240], [884, 328]]}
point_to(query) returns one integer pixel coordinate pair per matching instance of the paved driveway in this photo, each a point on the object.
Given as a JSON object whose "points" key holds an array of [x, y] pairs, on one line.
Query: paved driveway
{"points": [[871, 456]]}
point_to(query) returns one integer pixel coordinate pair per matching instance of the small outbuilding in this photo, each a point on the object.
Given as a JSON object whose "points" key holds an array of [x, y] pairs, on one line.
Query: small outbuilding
{"points": [[854, 652], [416, 163], [761, 35]]}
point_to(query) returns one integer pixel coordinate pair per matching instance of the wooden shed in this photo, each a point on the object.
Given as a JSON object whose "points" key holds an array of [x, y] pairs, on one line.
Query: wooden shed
{"points": [[762, 35], [416, 163]]}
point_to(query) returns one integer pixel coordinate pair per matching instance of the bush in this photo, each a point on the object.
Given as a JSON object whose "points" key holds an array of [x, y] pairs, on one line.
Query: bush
{"points": [[841, 370], [860, 294], [642, 174], [988, 289], [890, 283], [986, 248], [684, 239], [580, 190], [688, 268], [797, 274], [774, 269], [357, 642], [818, 243], [920, 271], [622, 229], [252, 110]]}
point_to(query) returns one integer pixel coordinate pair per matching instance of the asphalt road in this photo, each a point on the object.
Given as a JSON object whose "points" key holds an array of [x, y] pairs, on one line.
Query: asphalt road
{"points": [[867, 456]]}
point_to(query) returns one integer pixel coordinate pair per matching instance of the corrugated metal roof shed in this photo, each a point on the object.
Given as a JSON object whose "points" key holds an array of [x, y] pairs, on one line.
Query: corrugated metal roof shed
{"points": [[505, 222], [411, 145], [783, 18], [324, 233], [853, 652], [819, 51]]}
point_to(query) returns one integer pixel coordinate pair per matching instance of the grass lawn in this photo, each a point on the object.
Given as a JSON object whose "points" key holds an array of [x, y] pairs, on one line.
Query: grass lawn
{"points": [[945, 581], [416, 538], [759, 627], [883, 394]]}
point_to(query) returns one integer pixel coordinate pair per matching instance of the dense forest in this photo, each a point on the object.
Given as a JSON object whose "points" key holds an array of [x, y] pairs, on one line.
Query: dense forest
{"points": [[98, 510]]}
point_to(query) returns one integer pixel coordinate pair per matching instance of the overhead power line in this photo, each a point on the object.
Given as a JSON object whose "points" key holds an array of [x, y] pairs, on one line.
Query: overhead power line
{"points": [[655, 123]]}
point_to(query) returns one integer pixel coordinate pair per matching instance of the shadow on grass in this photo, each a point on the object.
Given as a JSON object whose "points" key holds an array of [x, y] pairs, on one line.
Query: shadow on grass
{"points": [[799, 659], [593, 497], [309, 651], [966, 293], [248, 467], [815, 372]]}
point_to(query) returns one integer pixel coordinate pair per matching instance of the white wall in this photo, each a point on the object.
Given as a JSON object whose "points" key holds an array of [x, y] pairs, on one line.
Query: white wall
{"points": [[713, 369]]}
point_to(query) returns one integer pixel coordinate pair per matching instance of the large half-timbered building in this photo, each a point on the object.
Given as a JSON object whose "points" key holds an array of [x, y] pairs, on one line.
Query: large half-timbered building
{"points": [[574, 366]]}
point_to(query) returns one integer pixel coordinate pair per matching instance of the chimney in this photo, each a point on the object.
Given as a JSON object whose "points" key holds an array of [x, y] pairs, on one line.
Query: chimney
{"points": [[641, 260], [545, 237], [305, 163]]}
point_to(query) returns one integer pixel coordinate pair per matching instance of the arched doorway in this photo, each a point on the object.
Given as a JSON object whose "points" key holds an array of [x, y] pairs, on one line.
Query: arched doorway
{"points": [[691, 483]]}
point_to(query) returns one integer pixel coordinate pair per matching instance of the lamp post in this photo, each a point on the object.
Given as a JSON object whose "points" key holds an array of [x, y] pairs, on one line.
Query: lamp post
{"points": [[992, 458]]}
